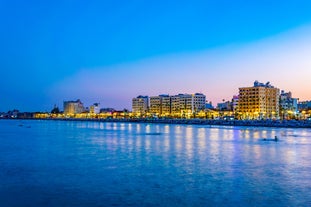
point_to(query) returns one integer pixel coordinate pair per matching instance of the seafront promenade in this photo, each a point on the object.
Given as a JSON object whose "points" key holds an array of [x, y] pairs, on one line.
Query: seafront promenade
{"points": [[253, 123]]}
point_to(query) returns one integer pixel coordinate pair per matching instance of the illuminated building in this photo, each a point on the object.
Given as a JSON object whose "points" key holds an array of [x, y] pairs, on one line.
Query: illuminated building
{"points": [[304, 108], [199, 101], [95, 109], [186, 104], [160, 104], [258, 102], [175, 105], [288, 105], [140, 104], [235, 102], [166, 105], [73, 107], [182, 104], [304, 105]]}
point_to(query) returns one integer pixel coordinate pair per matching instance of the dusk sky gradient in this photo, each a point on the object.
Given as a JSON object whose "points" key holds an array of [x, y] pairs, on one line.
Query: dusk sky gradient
{"points": [[112, 51]]}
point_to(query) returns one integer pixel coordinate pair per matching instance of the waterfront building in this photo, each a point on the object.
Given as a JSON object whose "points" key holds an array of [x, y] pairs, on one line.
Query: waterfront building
{"points": [[260, 101], [159, 105], [166, 105], [175, 105], [186, 104], [95, 108], [235, 102], [155, 105], [225, 106], [181, 105], [304, 105], [199, 102], [304, 108], [288, 105], [73, 107], [140, 105]]}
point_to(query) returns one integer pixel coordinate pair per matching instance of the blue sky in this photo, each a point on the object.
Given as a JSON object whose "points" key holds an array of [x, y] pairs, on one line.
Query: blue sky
{"points": [[111, 51]]}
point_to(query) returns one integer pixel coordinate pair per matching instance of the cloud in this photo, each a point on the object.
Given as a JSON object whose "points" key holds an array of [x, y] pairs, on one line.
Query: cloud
{"points": [[284, 60]]}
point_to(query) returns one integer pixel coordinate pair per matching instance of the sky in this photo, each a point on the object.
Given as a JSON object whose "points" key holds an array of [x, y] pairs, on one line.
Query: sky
{"points": [[111, 51]]}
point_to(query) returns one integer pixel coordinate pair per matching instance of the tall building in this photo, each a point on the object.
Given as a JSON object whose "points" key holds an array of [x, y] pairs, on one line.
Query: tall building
{"points": [[175, 105], [166, 105], [160, 104], [199, 101], [186, 103], [259, 101], [182, 104], [155, 105], [73, 107], [140, 104]]}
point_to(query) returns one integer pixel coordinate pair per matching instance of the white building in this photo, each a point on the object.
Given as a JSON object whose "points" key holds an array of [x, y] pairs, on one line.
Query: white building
{"points": [[140, 104], [235, 103], [95, 108], [159, 104], [288, 105], [199, 101]]}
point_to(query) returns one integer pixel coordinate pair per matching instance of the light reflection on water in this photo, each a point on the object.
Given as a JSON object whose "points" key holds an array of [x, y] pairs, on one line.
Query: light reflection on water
{"points": [[57, 163]]}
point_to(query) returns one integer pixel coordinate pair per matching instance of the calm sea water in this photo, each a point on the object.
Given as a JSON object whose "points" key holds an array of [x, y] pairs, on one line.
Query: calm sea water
{"points": [[59, 163]]}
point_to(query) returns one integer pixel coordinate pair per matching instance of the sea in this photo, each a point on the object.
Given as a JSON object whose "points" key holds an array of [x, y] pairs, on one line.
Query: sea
{"points": [[89, 163]]}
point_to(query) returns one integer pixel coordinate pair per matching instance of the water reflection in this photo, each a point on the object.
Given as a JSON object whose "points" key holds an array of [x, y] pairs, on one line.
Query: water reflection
{"points": [[140, 164]]}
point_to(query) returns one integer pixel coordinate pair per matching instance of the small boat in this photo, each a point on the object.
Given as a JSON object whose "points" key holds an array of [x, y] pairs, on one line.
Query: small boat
{"points": [[274, 140]]}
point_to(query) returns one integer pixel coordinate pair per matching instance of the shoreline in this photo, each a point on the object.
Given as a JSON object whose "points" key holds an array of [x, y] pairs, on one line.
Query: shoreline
{"points": [[250, 123]]}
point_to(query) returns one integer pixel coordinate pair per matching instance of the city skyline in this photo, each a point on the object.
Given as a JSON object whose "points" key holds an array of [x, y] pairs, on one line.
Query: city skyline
{"points": [[108, 52]]}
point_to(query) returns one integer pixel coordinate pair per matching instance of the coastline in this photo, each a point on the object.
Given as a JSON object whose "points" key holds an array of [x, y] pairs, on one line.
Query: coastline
{"points": [[251, 123]]}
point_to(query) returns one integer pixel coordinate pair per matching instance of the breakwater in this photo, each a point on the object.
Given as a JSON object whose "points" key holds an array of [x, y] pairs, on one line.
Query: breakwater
{"points": [[253, 123]]}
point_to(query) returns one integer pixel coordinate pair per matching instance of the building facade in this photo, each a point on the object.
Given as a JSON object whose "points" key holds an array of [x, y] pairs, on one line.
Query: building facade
{"points": [[199, 102], [95, 108], [175, 105], [160, 105], [235, 103], [304, 105], [140, 105], [288, 105], [181, 105], [258, 102], [185, 104], [73, 107], [166, 105]]}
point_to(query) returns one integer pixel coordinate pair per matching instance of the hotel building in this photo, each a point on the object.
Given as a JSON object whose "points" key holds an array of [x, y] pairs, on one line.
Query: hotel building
{"points": [[73, 107], [166, 105], [199, 101], [258, 102], [177, 105], [140, 104], [155, 105], [160, 104]]}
